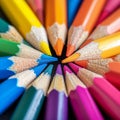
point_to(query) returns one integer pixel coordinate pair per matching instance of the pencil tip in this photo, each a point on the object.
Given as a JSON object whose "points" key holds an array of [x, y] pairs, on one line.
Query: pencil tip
{"points": [[59, 69], [71, 58], [45, 48], [74, 67], [49, 69], [47, 59], [70, 50], [82, 63], [59, 47], [66, 69]]}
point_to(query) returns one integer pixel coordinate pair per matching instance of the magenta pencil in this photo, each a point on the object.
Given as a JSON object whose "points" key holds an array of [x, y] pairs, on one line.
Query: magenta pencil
{"points": [[37, 6], [110, 6], [106, 95], [83, 105], [57, 100]]}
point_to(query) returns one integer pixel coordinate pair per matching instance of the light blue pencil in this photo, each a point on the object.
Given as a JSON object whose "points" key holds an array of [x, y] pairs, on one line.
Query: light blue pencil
{"points": [[73, 6], [13, 87]]}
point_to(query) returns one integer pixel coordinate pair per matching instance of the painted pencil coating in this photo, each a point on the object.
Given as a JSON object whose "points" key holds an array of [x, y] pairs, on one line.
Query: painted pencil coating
{"points": [[33, 98], [57, 95], [83, 105], [38, 8], [108, 68], [109, 26], [101, 48], [101, 90], [12, 65], [83, 24], [56, 23], [27, 23], [108, 9], [12, 48], [9, 32], [13, 87], [72, 8], [59, 110]]}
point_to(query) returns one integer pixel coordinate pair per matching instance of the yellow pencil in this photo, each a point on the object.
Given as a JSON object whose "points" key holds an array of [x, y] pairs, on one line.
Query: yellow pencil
{"points": [[101, 48], [23, 18], [56, 23]]}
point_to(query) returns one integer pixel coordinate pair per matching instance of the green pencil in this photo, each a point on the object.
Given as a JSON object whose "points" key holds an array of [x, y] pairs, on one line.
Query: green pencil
{"points": [[32, 100]]}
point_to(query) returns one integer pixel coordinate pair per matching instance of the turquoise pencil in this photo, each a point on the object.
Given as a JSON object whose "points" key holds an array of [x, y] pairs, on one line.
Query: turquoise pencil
{"points": [[13, 87], [33, 98]]}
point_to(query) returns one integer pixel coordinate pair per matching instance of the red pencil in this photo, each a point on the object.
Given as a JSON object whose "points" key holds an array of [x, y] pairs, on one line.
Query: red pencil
{"points": [[38, 8], [111, 5], [105, 94]]}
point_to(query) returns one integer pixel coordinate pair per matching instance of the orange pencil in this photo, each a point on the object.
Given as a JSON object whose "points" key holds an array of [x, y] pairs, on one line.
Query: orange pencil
{"points": [[56, 23], [83, 23], [101, 48], [108, 26], [84, 63], [108, 68]]}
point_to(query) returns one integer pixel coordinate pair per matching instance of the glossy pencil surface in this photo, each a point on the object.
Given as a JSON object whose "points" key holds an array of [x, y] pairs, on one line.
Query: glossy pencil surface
{"points": [[83, 23], [101, 48], [83, 104], [27, 23], [57, 101], [101, 90], [72, 9], [38, 8], [109, 26], [110, 7], [33, 98], [56, 23], [13, 87]]}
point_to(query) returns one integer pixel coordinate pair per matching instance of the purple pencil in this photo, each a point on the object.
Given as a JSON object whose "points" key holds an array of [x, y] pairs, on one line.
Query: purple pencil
{"points": [[82, 103], [57, 101]]}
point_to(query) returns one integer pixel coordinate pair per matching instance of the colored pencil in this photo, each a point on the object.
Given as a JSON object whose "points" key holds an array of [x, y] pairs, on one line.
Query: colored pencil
{"points": [[109, 26], [27, 23], [57, 101], [110, 7], [85, 63], [117, 58], [83, 24], [32, 100], [9, 32], [12, 48], [101, 48], [12, 65], [38, 8], [83, 105], [106, 95], [12, 88], [106, 67], [56, 23], [72, 8]]}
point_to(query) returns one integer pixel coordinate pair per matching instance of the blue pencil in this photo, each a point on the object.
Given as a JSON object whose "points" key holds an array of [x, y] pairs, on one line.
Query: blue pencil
{"points": [[13, 87], [33, 98], [73, 6], [12, 65]]}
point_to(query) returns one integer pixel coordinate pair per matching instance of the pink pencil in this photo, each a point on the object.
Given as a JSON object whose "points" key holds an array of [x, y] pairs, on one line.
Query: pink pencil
{"points": [[83, 105], [37, 6], [110, 6], [106, 95]]}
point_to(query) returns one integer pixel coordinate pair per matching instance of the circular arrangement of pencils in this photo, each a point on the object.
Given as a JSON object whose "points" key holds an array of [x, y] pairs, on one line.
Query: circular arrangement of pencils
{"points": [[60, 59]]}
